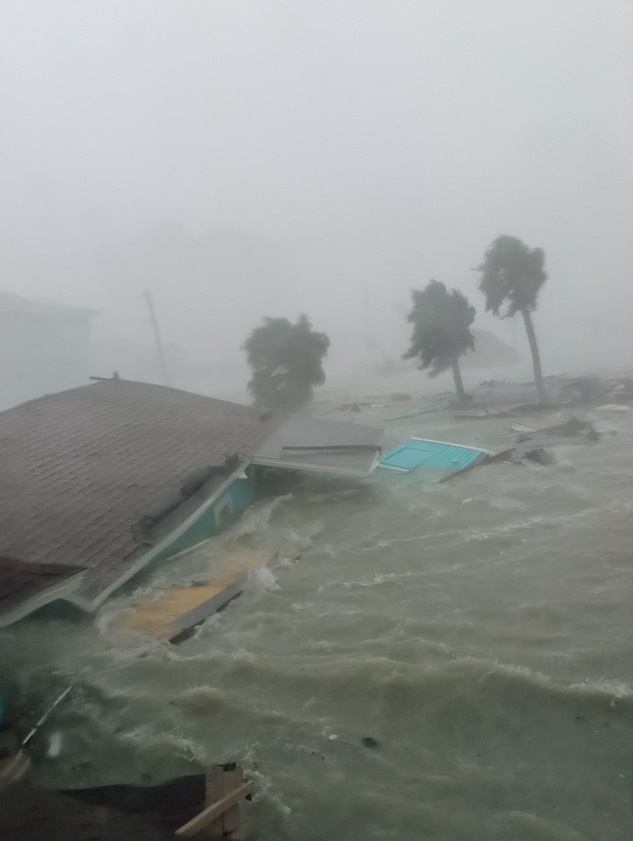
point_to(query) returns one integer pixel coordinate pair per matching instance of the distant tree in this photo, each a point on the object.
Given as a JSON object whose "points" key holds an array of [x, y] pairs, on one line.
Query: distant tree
{"points": [[287, 362], [512, 273], [441, 330]]}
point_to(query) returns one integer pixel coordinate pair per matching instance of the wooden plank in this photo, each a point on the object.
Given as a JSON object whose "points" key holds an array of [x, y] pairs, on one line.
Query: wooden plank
{"points": [[432, 410], [218, 786], [179, 609], [231, 818], [489, 413], [160, 617], [215, 791], [208, 815], [198, 614]]}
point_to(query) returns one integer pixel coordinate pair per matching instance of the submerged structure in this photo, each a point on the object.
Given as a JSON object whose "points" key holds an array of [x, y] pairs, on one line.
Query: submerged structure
{"points": [[433, 455], [101, 480], [438, 457]]}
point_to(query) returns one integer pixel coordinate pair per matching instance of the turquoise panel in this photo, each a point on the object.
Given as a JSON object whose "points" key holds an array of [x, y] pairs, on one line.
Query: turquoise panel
{"points": [[202, 528], [242, 494], [436, 455]]}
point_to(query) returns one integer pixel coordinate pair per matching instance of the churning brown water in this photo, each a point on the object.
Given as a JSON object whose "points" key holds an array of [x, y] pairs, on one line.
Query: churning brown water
{"points": [[479, 631]]}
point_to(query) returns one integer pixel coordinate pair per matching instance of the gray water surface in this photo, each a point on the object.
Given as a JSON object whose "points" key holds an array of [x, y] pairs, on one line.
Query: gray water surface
{"points": [[479, 631]]}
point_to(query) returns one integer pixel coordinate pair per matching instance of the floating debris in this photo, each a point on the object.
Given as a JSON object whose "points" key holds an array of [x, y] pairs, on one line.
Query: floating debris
{"points": [[175, 614], [572, 427], [354, 406], [486, 459], [484, 414], [424, 452], [413, 414], [541, 456]]}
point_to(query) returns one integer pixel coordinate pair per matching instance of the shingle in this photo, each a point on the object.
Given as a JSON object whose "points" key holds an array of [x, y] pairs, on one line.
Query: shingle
{"points": [[77, 468], [20, 581]]}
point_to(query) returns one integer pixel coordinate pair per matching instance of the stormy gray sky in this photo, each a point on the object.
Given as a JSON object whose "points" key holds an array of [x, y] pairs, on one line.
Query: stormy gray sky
{"points": [[277, 156]]}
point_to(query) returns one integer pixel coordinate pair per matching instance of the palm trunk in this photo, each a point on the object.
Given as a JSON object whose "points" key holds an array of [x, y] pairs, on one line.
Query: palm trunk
{"points": [[536, 359], [459, 385]]}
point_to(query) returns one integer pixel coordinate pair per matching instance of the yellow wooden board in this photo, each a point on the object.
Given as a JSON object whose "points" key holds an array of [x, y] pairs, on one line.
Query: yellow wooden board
{"points": [[163, 617]]}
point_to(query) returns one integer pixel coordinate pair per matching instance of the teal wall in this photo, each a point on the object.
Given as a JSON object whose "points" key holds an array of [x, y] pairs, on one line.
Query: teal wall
{"points": [[224, 510], [242, 493]]}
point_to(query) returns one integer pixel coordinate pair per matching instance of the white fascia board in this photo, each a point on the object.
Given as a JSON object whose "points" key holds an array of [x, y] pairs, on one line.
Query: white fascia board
{"points": [[62, 590]]}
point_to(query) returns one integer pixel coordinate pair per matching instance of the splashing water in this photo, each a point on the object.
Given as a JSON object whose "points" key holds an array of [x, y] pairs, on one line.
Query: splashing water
{"points": [[482, 650]]}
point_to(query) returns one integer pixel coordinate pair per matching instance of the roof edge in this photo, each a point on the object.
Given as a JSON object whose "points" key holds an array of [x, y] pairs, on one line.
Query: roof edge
{"points": [[115, 382], [62, 590], [68, 589], [155, 551]]}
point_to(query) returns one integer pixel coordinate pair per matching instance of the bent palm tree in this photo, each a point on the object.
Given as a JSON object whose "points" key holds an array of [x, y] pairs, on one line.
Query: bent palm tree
{"points": [[513, 273], [287, 362], [441, 331]]}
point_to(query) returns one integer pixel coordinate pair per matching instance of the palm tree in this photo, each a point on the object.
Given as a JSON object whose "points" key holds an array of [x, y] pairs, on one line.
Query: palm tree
{"points": [[513, 273], [287, 361], [441, 331]]}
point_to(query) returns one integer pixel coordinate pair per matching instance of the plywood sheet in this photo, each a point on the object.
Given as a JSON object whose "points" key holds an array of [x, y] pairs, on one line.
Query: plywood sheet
{"points": [[179, 609]]}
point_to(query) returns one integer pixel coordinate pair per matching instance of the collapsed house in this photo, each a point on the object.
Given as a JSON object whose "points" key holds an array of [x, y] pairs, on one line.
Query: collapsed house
{"points": [[102, 480]]}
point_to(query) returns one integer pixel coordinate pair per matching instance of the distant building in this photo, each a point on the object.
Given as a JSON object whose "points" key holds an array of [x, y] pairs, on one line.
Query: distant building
{"points": [[490, 352], [44, 348]]}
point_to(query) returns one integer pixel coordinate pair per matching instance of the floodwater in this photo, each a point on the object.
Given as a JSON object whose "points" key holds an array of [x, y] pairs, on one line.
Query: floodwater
{"points": [[478, 631]]}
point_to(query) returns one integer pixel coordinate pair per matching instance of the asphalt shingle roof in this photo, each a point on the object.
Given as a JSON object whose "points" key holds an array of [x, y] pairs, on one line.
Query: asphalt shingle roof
{"points": [[19, 581], [79, 467]]}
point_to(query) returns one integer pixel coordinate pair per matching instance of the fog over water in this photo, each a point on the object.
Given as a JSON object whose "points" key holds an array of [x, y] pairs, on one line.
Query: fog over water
{"points": [[243, 159], [275, 157]]}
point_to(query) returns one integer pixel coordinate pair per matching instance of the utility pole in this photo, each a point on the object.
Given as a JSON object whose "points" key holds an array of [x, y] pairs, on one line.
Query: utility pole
{"points": [[159, 344]]}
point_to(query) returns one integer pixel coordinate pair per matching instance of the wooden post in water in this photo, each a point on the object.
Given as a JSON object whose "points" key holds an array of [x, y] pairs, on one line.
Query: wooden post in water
{"points": [[221, 817]]}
